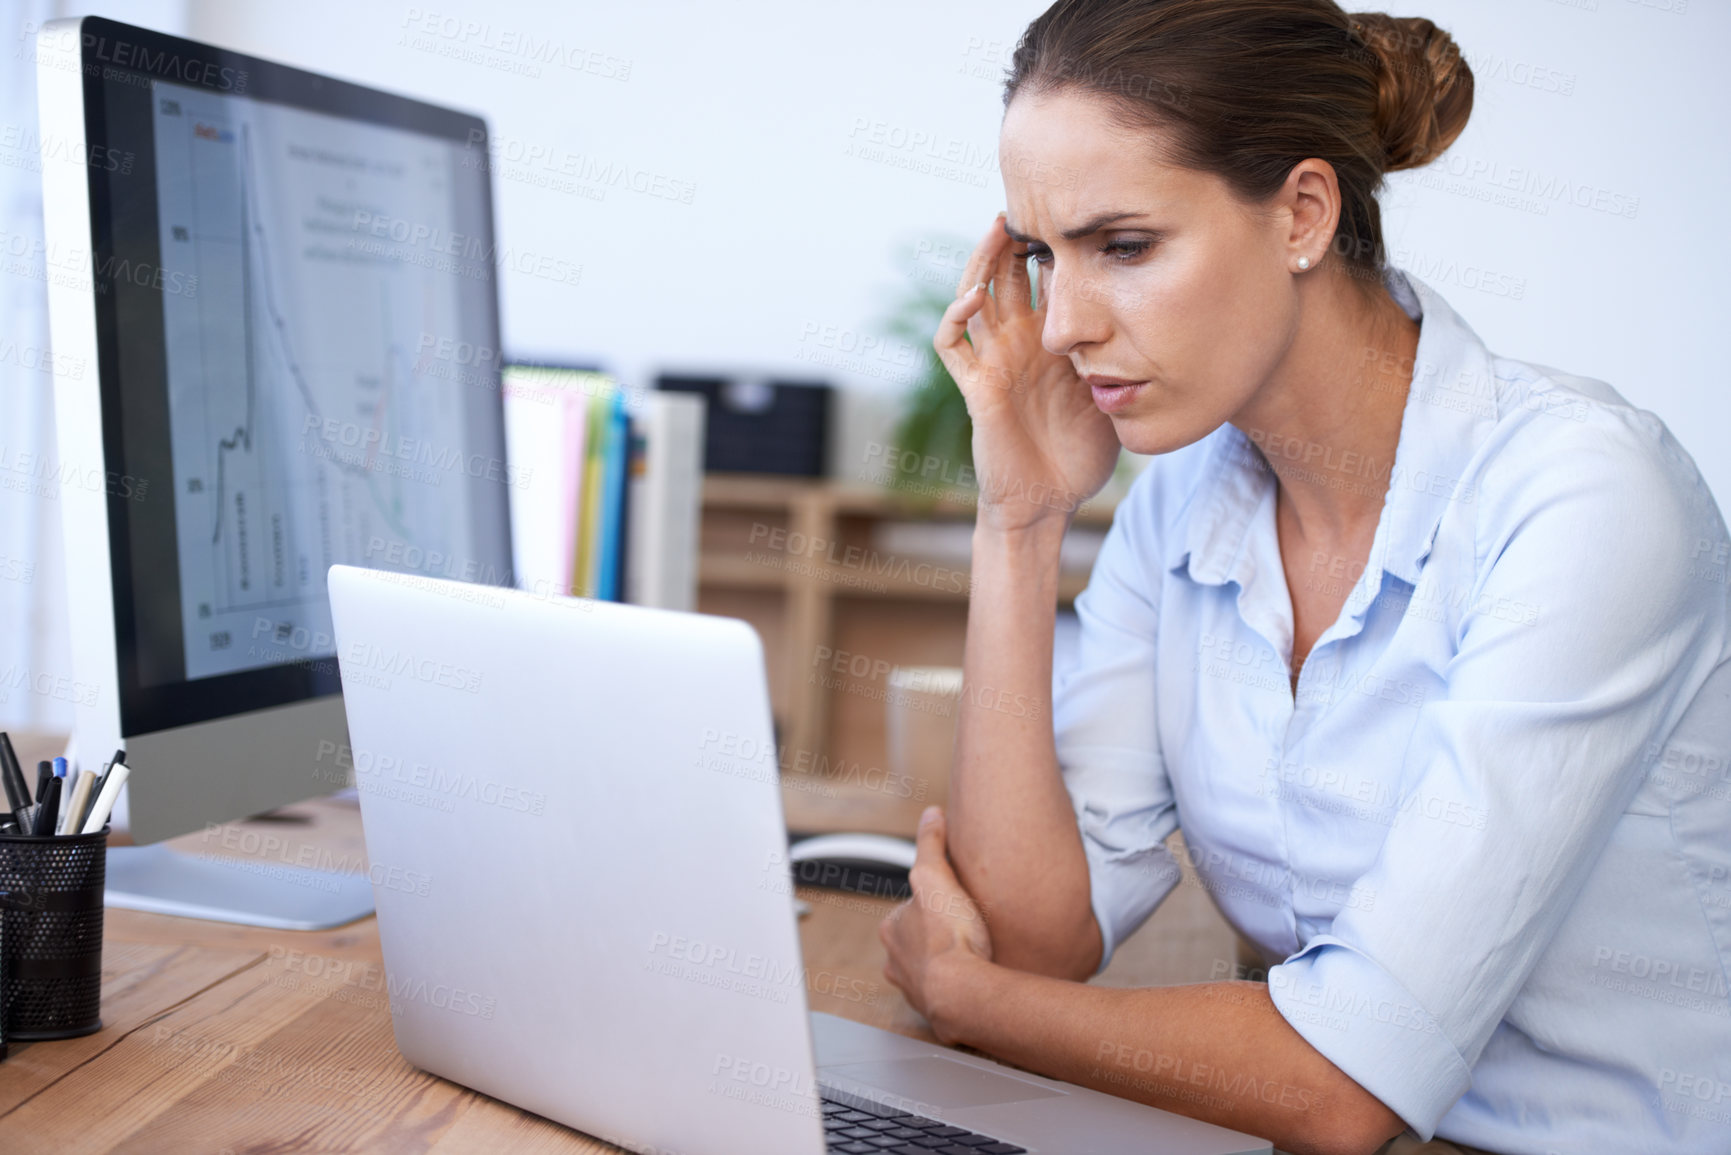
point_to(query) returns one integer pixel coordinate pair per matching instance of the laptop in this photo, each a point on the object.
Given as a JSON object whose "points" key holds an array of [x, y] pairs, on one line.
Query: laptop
{"points": [[575, 837]]}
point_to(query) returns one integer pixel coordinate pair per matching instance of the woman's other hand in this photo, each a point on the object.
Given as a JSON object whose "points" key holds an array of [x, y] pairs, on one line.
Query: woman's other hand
{"points": [[938, 934]]}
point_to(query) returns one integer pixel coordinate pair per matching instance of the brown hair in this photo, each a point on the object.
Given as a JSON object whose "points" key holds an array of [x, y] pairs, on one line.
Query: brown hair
{"points": [[1249, 88]]}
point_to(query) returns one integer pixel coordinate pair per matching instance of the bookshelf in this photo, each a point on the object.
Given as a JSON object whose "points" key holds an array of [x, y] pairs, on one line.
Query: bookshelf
{"points": [[799, 559]]}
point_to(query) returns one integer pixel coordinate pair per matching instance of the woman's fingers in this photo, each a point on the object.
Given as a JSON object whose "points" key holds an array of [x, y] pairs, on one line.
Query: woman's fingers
{"points": [[982, 264], [984, 257], [950, 340], [890, 932], [1010, 287]]}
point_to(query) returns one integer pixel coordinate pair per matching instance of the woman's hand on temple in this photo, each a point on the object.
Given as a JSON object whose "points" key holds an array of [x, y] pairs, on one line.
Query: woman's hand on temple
{"points": [[1041, 447], [938, 933]]}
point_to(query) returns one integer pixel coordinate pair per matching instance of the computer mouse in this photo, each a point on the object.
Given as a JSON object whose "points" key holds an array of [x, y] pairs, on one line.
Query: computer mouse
{"points": [[872, 864], [878, 849]]}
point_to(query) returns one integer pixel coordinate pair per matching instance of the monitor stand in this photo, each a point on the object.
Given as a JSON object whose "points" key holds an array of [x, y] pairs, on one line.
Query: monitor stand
{"points": [[163, 881]]}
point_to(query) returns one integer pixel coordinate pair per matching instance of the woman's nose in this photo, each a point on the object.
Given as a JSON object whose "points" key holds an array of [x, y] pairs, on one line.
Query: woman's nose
{"points": [[1074, 316]]}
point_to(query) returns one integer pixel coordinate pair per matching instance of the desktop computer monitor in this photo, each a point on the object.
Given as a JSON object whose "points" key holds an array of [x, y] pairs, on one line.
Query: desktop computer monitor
{"points": [[286, 285]]}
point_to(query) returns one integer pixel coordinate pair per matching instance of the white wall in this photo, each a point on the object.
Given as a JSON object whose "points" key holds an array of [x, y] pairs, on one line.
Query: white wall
{"points": [[1639, 299], [793, 242], [787, 247], [789, 242]]}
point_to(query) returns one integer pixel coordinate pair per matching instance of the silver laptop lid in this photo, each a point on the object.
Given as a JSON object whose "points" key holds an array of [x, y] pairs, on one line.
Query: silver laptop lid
{"points": [[561, 799]]}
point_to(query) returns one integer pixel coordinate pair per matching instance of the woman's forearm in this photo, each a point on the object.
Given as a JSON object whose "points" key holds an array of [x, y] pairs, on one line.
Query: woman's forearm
{"points": [[1219, 1052], [1012, 831]]}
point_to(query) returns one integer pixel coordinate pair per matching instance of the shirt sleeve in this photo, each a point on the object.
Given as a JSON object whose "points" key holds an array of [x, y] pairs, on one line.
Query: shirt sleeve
{"points": [[1108, 744], [1541, 731]]}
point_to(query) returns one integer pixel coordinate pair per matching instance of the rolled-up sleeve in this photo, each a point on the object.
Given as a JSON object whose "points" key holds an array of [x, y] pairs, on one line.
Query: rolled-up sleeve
{"points": [[1539, 742], [1107, 737]]}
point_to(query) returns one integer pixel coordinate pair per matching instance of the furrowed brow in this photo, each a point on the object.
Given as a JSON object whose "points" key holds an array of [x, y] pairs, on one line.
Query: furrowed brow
{"points": [[1086, 229]]}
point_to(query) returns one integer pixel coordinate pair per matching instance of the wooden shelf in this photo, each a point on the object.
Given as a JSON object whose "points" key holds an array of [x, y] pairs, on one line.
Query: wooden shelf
{"points": [[728, 572], [807, 606], [720, 569], [768, 491]]}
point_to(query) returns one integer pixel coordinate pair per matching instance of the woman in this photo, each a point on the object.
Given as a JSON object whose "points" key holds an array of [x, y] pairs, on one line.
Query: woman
{"points": [[1426, 650]]}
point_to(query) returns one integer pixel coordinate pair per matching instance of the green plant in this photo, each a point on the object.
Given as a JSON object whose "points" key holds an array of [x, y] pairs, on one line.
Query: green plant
{"points": [[934, 434]]}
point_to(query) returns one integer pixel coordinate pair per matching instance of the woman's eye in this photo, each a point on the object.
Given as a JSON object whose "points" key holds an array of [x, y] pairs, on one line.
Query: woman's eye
{"points": [[1126, 250], [1041, 254]]}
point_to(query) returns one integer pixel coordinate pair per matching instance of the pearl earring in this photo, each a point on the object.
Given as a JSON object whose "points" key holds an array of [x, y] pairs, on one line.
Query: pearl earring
{"points": [[1303, 263]]}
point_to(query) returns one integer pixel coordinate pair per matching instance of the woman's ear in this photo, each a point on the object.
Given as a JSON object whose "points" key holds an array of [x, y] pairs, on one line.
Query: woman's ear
{"points": [[1312, 197]]}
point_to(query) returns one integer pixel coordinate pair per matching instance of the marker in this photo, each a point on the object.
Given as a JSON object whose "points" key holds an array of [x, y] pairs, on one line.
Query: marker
{"points": [[61, 768], [104, 806], [48, 810], [17, 790]]}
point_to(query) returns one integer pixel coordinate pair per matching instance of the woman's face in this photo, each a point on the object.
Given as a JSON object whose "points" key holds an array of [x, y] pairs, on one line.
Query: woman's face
{"points": [[1152, 274]]}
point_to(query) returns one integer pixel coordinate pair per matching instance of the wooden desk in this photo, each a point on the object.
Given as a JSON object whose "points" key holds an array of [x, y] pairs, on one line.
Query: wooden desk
{"points": [[225, 1040]]}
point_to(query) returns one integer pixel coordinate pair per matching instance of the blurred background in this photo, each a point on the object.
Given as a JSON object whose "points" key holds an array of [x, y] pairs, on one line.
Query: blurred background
{"points": [[762, 198]]}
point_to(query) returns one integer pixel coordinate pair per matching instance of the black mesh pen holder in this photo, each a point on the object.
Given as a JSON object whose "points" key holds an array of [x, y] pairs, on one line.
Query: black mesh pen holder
{"points": [[51, 943]]}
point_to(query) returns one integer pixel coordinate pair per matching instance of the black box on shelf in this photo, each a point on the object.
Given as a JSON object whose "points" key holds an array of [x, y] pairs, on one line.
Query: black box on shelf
{"points": [[759, 425]]}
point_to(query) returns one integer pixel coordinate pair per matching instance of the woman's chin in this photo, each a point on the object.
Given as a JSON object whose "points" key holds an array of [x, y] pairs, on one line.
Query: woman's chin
{"points": [[1154, 433]]}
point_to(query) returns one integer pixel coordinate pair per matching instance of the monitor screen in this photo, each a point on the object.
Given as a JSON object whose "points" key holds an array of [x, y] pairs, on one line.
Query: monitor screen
{"points": [[297, 335]]}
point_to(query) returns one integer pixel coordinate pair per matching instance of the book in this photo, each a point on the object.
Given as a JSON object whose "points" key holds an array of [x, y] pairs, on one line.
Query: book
{"points": [[616, 445], [606, 489], [589, 500], [545, 416], [665, 501]]}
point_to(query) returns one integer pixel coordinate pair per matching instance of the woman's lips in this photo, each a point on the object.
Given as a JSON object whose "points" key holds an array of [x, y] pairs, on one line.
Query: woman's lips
{"points": [[1113, 393]]}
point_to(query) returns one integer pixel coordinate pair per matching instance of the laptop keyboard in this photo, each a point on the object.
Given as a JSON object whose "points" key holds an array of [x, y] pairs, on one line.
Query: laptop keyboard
{"points": [[878, 1130]]}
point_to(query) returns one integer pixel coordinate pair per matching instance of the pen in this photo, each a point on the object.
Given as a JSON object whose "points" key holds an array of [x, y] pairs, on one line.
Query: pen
{"points": [[48, 810], [62, 772], [74, 809], [99, 813], [96, 787], [17, 790], [97, 781], [44, 771]]}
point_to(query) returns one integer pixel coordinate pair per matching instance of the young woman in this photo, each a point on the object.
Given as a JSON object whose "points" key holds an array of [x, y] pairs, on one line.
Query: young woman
{"points": [[1425, 649]]}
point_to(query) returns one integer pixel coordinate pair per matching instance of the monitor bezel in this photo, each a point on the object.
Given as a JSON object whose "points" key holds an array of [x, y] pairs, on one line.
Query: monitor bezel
{"points": [[107, 51]]}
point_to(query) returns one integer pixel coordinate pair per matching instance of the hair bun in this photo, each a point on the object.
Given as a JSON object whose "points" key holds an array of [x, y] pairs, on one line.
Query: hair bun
{"points": [[1424, 87]]}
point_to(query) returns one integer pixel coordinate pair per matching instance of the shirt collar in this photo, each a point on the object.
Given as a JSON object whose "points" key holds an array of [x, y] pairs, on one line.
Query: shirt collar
{"points": [[1450, 408]]}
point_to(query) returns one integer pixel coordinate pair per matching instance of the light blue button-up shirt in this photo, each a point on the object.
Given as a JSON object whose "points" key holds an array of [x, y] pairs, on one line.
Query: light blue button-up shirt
{"points": [[1488, 841]]}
